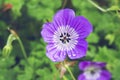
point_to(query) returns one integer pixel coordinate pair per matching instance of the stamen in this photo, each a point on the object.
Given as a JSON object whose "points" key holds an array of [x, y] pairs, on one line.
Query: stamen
{"points": [[68, 39], [61, 35], [65, 38], [64, 33], [92, 72], [68, 35], [63, 41]]}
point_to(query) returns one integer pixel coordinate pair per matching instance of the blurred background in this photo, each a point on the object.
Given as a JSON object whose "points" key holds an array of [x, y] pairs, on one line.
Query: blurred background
{"points": [[26, 18]]}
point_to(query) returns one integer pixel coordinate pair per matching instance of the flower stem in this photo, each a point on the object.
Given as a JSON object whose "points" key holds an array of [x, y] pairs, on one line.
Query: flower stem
{"points": [[68, 69], [97, 6], [64, 3], [20, 43], [70, 72], [22, 48], [64, 78]]}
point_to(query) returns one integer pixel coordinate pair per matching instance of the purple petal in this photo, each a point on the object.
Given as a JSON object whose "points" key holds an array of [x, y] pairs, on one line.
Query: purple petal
{"points": [[81, 77], [100, 64], [63, 17], [82, 26], [60, 56], [47, 32], [105, 75], [79, 50], [54, 54], [85, 64]]}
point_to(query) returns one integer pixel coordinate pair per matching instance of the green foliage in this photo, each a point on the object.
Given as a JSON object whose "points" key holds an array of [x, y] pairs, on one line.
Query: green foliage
{"points": [[93, 38], [16, 7], [26, 18], [38, 65], [5, 65], [105, 55], [40, 9], [116, 69]]}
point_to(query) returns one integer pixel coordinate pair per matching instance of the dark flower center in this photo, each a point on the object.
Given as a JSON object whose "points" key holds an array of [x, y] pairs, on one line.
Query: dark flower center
{"points": [[65, 38], [92, 72]]}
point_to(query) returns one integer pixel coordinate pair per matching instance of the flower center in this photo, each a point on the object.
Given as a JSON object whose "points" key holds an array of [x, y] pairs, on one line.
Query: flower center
{"points": [[65, 38], [92, 72]]}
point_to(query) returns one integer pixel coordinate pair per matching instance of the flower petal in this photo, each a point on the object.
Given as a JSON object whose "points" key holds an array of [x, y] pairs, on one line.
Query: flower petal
{"points": [[81, 77], [85, 64], [82, 26], [60, 56], [79, 50], [47, 32], [105, 75], [54, 54], [64, 17], [100, 64]]}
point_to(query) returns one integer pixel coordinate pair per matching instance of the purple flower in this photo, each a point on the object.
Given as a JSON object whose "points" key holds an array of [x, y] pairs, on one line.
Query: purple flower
{"points": [[93, 71], [66, 35]]}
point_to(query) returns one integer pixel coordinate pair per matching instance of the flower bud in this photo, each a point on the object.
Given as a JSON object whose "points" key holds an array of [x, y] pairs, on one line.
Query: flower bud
{"points": [[8, 47], [6, 50]]}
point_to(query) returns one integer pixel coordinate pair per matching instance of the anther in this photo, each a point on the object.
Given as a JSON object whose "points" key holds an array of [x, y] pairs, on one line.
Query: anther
{"points": [[92, 72], [68, 35], [61, 35], [64, 38]]}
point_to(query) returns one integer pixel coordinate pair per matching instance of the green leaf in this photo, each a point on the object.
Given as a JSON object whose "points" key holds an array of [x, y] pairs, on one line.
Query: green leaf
{"points": [[105, 55], [16, 7], [116, 70], [110, 37], [41, 10], [113, 8], [93, 38]]}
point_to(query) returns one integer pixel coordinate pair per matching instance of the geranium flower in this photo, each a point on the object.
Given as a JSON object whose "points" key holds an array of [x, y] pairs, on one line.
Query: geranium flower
{"points": [[66, 35], [93, 71]]}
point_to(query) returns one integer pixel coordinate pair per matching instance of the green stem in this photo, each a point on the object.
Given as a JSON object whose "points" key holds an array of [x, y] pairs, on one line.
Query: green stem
{"points": [[64, 78], [14, 36], [118, 14], [64, 3], [70, 72], [97, 6], [22, 48], [11, 38]]}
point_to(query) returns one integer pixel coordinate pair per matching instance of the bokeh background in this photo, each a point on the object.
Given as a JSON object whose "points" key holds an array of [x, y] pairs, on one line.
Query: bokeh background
{"points": [[26, 18]]}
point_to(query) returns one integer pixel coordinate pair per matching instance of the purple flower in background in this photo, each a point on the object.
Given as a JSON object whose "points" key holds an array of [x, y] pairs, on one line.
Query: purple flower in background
{"points": [[66, 35], [93, 71]]}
